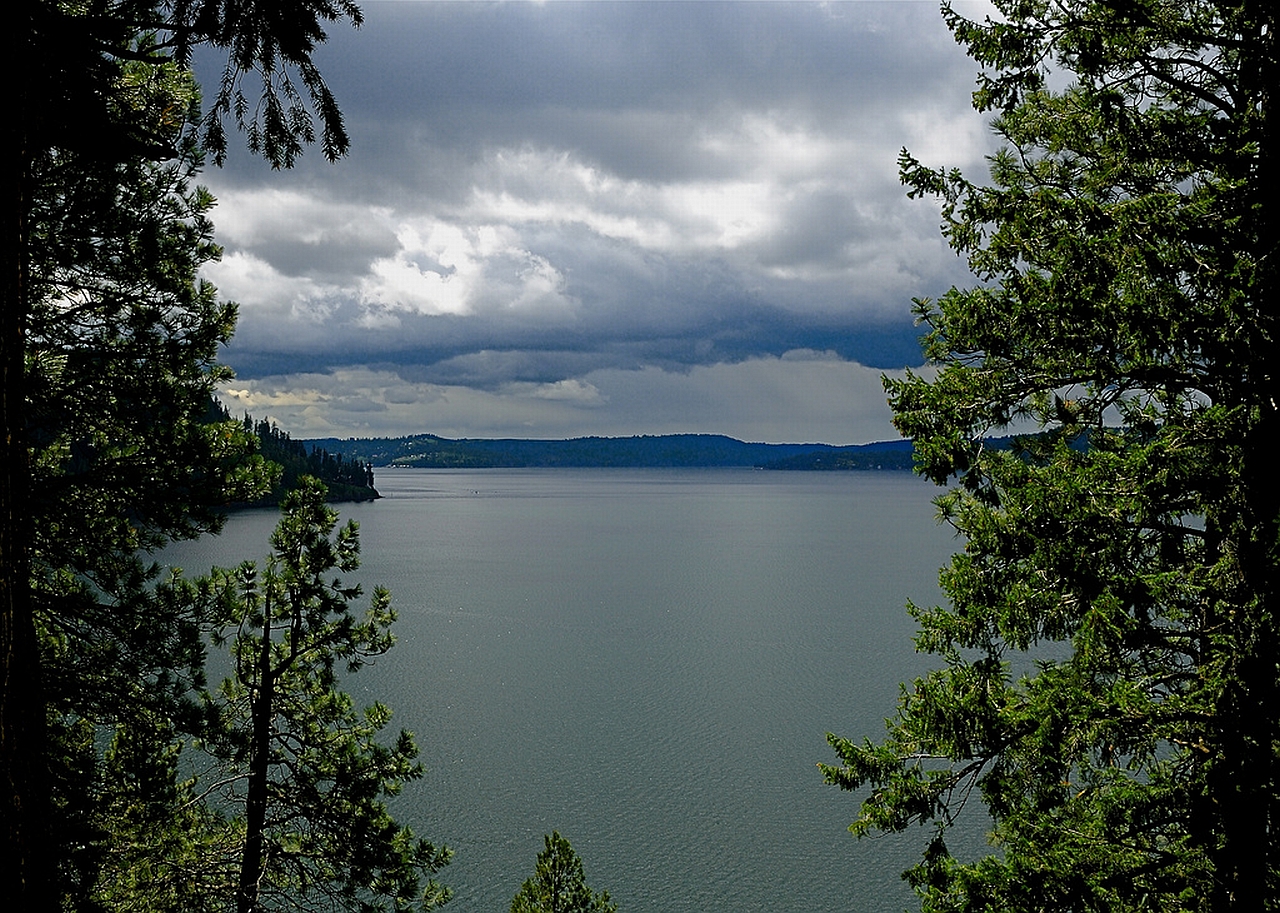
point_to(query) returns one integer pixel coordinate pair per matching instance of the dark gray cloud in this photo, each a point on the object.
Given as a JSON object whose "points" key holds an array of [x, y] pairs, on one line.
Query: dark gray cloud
{"points": [[551, 207]]}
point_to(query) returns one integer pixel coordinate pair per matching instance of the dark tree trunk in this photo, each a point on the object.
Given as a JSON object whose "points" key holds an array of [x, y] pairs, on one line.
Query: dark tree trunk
{"points": [[255, 812], [1245, 782], [27, 864]]}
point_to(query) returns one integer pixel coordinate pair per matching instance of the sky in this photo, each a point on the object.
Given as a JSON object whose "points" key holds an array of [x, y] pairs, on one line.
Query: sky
{"points": [[607, 218]]}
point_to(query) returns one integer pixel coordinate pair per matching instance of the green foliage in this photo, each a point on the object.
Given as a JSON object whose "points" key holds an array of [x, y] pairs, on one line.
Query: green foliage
{"points": [[344, 479], [119, 360], [108, 341], [559, 884], [166, 850], [75, 101], [120, 354], [293, 751], [1108, 687]]}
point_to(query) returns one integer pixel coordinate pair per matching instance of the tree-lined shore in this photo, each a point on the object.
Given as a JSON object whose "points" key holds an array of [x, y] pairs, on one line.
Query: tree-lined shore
{"points": [[427, 451]]}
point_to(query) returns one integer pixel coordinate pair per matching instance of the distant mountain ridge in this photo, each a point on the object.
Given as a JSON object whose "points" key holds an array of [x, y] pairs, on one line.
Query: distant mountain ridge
{"points": [[640, 451]]}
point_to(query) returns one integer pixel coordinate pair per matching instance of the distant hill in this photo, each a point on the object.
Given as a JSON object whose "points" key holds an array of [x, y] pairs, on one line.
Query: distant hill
{"points": [[644, 451]]}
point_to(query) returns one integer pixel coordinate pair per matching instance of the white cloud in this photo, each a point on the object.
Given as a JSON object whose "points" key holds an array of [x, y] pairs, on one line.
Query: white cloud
{"points": [[435, 271], [244, 277]]}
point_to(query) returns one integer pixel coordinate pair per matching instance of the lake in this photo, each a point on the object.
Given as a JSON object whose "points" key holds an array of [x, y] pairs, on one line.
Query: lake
{"points": [[646, 661]]}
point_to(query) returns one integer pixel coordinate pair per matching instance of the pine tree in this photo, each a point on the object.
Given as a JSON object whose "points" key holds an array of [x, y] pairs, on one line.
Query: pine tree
{"points": [[293, 752], [559, 884], [121, 345], [99, 95], [1108, 684]]}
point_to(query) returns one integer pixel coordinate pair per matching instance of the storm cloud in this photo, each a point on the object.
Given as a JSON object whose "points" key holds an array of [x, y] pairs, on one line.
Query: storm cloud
{"points": [[564, 219]]}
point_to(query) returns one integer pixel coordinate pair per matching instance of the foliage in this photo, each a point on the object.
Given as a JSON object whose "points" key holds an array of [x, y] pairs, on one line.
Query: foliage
{"points": [[275, 42], [75, 101], [119, 360], [1108, 685], [291, 749], [165, 850], [107, 341], [344, 479], [559, 884]]}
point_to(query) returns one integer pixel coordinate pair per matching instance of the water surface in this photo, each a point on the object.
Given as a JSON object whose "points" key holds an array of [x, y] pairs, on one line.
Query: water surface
{"points": [[646, 661]]}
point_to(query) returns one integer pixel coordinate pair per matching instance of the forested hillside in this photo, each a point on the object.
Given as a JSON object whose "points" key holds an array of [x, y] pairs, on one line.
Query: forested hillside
{"points": [[658, 451], [346, 479]]}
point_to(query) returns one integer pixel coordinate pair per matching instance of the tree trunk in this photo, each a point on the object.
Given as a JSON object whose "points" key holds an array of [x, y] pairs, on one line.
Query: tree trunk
{"points": [[1246, 780], [255, 812], [27, 864]]}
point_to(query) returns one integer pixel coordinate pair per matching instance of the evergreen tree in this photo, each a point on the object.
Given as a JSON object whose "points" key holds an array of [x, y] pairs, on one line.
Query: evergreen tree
{"points": [[559, 884], [1108, 682], [100, 92], [344, 480], [121, 343], [166, 848], [294, 753]]}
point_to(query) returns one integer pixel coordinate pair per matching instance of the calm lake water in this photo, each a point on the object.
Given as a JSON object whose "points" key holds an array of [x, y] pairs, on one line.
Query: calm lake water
{"points": [[646, 661]]}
